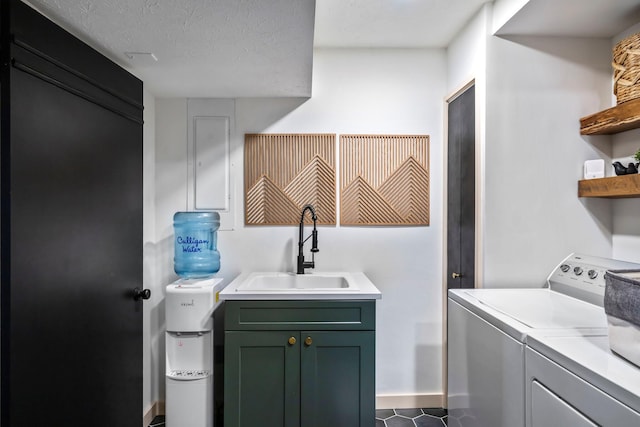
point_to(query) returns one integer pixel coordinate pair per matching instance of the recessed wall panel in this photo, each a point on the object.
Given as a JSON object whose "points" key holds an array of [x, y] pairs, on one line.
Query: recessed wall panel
{"points": [[211, 163]]}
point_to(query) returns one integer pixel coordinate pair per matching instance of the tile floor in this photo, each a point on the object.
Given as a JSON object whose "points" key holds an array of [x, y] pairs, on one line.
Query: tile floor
{"points": [[420, 417]]}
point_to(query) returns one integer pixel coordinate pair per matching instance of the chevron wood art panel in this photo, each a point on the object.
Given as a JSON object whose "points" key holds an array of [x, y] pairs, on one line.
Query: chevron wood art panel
{"points": [[283, 172], [384, 179]]}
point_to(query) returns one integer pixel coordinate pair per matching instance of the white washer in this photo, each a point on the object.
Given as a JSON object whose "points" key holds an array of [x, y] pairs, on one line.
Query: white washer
{"points": [[488, 329], [578, 381]]}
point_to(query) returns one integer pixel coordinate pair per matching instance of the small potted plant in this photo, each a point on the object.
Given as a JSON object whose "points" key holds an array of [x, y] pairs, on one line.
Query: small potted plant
{"points": [[637, 159]]}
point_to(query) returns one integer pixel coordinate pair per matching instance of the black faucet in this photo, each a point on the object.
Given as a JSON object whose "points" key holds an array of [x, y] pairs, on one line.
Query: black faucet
{"points": [[302, 264]]}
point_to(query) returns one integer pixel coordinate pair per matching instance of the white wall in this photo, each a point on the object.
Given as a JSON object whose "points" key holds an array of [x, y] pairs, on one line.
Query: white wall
{"points": [[467, 52], [467, 62], [537, 90], [170, 196], [504, 10], [354, 91], [149, 392], [531, 93], [626, 228]]}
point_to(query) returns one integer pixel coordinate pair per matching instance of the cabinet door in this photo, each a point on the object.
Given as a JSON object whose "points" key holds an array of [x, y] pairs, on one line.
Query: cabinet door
{"points": [[337, 379], [262, 379]]}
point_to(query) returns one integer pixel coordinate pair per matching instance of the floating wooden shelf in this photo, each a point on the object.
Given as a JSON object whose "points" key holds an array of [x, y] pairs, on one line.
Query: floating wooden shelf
{"points": [[615, 187], [617, 119]]}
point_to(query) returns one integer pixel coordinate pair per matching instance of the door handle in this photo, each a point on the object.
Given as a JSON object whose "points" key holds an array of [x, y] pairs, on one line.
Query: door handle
{"points": [[455, 275], [139, 294]]}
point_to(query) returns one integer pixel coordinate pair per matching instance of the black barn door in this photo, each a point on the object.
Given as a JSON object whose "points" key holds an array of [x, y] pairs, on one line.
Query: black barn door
{"points": [[72, 239], [461, 191]]}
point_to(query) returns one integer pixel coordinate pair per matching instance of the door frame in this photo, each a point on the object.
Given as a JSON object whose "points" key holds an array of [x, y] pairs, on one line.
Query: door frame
{"points": [[479, 193]]}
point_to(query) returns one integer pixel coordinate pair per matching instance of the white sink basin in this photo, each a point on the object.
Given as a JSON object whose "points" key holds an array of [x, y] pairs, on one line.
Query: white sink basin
{"points": [[291, 286], [290, 281]]}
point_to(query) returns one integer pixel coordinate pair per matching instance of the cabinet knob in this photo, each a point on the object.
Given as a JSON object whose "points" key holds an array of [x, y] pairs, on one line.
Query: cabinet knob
{"points": [[308, 341], [455, 275], [292, 340]]}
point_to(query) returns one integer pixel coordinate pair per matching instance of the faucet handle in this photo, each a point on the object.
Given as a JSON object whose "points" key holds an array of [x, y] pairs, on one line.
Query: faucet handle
{"points": [[314, 241]]}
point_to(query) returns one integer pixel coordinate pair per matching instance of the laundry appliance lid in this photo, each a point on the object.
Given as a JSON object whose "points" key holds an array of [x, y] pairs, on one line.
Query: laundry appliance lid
{"points": [[518, 311], [544, 309]]}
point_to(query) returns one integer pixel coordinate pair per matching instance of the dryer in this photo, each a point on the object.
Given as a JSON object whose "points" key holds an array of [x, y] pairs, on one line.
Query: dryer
{"points": [[488, 329], [576, 380]]}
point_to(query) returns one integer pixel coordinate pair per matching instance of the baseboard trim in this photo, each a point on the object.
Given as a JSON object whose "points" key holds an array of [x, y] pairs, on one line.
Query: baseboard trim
{"points": [[404, 401], [383, 401], [156, 409]]}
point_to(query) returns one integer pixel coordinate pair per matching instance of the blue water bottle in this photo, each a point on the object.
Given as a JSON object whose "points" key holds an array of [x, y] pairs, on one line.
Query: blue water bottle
{"points": [[196, 253]]}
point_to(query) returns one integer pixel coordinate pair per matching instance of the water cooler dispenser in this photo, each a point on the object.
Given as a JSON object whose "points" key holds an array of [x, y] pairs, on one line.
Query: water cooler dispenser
{"points": [[190, 304]]}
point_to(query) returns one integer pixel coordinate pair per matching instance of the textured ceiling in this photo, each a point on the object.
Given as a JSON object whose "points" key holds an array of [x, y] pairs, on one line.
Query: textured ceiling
{"points": [[589, 18], [204, 48], [241, 48], [255, 48], [391, 23]]}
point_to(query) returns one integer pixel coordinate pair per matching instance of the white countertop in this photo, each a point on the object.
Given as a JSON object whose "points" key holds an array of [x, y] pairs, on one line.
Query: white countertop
{"points": [[362, 290]]}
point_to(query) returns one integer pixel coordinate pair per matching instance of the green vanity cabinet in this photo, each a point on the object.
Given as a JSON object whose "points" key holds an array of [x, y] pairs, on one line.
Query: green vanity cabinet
{"points": [[299, 364], [262, 379]]}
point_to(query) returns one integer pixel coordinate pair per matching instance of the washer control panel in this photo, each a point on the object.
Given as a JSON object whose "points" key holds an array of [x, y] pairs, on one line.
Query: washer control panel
{"points": [[592, 273], [582, 276]]}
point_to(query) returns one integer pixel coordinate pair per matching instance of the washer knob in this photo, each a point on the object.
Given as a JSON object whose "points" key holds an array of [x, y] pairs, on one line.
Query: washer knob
{"points": [[592, 274], [564, 268], [578, 271]]}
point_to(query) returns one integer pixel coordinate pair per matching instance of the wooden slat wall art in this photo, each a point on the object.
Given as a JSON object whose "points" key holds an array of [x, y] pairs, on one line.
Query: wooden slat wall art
{"points": [[384, 179], [283, 172]]}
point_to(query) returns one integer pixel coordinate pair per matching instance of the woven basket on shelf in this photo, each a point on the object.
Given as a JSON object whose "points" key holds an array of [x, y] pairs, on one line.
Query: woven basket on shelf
{"points": [[626, 69]]}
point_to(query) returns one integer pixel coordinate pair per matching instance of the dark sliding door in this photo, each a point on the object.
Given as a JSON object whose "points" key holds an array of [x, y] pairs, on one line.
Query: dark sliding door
{"points": [[461, 191], [71, 233]]}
